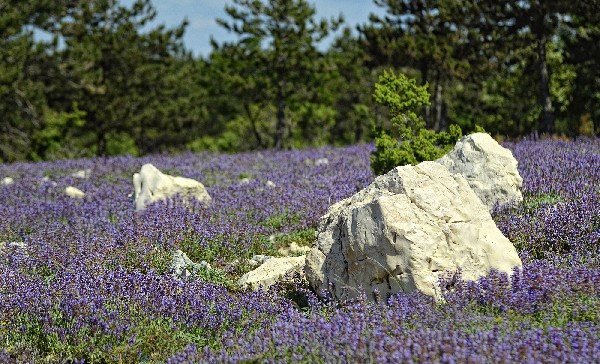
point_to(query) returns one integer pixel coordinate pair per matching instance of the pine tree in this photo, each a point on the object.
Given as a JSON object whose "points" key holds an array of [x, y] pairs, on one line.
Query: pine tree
{"points": [[276, 54]]}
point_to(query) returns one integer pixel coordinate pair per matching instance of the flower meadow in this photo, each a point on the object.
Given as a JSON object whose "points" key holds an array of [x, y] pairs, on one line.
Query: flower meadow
{"points": [[88, 280]]}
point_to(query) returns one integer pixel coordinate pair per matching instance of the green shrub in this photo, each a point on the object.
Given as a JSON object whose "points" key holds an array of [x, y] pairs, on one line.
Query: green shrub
{"points": [[408, 142]]}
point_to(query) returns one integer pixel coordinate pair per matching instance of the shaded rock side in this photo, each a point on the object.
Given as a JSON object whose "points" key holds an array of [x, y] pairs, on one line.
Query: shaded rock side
{"points": [[271, 271], [489, 168], [402, 232], [151, 185]]}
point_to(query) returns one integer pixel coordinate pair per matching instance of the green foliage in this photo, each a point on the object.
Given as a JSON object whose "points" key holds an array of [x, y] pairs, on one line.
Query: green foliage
{"points": [[302, 238], [280, 220], [120, 143], [56, 138], [312, 125], [227, 141], [409, 142], [532, 202], [211, 275], [403, 98]]}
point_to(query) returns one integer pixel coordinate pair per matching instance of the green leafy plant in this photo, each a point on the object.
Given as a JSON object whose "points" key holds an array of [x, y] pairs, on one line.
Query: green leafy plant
{"points": [[409, 142]]}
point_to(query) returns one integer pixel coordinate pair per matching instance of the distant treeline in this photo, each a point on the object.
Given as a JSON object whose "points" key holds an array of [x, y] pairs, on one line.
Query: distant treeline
{"points": [[106, 83]]}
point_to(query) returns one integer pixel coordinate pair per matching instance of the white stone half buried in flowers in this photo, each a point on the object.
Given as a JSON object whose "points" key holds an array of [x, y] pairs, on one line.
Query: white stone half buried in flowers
{"points": [[74, 192], [151, 185]]}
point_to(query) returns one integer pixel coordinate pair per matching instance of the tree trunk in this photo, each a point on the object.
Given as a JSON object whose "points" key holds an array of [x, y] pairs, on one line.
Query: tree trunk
{"points": [[547, 121], [280, 126], [101, 144], [252, 119], [358, 132], [437, 103], [424, 75]]}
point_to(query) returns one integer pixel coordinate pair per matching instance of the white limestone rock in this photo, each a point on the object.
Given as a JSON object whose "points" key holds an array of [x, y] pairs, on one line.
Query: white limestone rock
{"points": [[7, 181], [489, 168], [270, 184], [271, 271], [402, 232], [151, 185], [74, 192]]}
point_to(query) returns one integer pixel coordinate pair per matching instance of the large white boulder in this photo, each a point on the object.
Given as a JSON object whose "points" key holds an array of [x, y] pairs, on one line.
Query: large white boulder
{"points": [[402, 232], [151, 185], [271, 271], [490, 169]]}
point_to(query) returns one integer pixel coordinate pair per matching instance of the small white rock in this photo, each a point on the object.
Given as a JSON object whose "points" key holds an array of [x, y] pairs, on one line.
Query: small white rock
{"points": [[74, 192], [270, 184], [7, 181], [245, 181], [321, 162]]}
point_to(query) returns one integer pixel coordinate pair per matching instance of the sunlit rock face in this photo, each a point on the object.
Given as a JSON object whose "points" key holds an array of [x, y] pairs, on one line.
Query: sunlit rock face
{"points": [[489, 168], [152, 185], [402, 232]]}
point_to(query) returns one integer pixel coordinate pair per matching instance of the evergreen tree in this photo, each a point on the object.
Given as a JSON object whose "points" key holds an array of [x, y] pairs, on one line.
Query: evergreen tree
{"points": [[425, 36], [355, 114], [22, 65], [582, 52], [277, 55], [515, 27], [134, 86]]}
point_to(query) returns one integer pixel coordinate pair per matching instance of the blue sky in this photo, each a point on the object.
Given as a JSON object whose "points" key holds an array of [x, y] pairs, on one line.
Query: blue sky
{"points": [[202, 14]]}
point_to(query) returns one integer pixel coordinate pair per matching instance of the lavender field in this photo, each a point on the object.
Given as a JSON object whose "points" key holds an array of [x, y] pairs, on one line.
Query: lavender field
{"points": [[88, 280]]}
